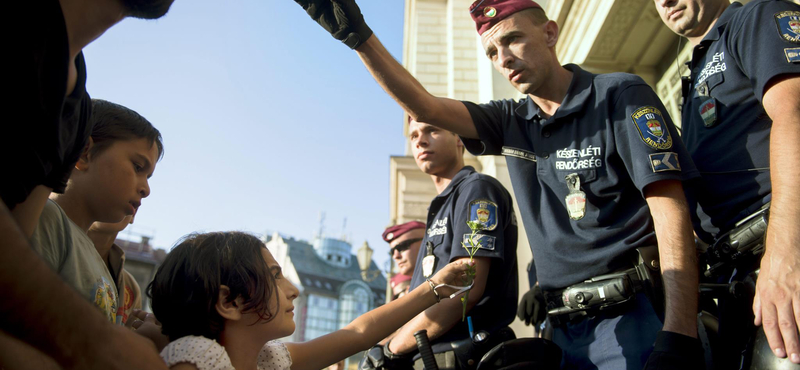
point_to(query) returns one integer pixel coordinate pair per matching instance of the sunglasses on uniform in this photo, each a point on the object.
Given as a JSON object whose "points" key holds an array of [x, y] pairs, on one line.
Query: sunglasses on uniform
{"points": [[403, 246]]}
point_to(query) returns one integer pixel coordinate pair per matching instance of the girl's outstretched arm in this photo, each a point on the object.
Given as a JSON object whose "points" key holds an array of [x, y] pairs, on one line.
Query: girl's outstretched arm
{"points": [[371, 327]]}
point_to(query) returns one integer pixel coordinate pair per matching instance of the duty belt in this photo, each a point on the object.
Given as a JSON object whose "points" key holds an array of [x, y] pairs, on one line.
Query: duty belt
{"points": [[741, 244], [609, 291], [597, 293]]}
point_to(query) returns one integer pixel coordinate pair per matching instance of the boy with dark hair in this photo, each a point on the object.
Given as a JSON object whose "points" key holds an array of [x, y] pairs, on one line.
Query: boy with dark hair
{"points": [[107, 185]]}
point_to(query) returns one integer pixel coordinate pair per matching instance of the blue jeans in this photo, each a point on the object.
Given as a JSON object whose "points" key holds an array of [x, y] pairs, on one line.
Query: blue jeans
{"points": [[614, 341]]}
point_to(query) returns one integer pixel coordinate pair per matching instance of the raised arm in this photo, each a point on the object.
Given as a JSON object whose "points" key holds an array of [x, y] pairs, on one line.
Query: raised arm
{"points": [[369, 328], [343, 19], [777, 300]]}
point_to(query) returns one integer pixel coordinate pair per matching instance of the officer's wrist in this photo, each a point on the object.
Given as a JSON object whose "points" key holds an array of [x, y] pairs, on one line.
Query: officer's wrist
{"points": [[433, 290]]}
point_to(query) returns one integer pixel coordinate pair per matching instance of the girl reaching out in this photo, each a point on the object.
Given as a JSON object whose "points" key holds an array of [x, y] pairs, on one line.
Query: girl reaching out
{"points": [[222, 301]]}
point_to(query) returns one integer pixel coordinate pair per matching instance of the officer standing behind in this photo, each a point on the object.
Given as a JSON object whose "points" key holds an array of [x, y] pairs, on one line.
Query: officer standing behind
{"points": [[464, 195], [741, 118], [596, 167], [404, 241]]}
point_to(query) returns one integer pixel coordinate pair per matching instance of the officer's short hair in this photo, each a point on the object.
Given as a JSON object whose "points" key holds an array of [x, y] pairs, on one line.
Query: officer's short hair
{"points": [[537, 15], [185, 290]]}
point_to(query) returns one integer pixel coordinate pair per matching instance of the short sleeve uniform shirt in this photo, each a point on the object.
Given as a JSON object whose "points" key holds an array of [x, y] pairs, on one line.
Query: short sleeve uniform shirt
{"points": [[725, 127], [612, 134], [475, 197]]}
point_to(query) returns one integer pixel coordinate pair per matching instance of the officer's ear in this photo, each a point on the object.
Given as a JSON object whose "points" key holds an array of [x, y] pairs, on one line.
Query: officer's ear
{"points": [[551, 33], [459, 144], [229, 310]]}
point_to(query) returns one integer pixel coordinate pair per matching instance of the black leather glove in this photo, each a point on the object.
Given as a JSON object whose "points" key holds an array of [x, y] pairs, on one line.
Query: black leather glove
{"points": [[380, 358], [373, 359], [342, 18], [675, 351], [532, 308]]}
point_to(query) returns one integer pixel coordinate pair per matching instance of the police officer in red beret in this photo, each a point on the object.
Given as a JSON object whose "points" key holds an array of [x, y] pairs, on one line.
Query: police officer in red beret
{"points": [[404, 241], [597, 168]]}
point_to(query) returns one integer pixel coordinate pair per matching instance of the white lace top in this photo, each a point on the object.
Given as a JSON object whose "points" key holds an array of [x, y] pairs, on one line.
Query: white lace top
{"points": [[207, 354]]}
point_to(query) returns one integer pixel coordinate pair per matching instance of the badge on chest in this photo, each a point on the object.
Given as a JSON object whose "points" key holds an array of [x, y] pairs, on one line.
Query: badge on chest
{"points": [[576, 199], [708, 105], [429, 261]]}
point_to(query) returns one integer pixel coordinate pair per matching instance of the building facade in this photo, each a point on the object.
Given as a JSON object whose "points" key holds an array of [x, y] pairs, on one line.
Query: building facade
{"points": [[142, 261], [333, 290]]}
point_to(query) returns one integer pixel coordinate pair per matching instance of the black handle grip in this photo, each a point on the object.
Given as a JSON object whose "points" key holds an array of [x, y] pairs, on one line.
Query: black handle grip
{"points": [[425, 351]]}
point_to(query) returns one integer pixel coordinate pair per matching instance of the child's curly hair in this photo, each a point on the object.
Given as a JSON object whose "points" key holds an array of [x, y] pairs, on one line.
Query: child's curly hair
{"points": [[186, 287]]}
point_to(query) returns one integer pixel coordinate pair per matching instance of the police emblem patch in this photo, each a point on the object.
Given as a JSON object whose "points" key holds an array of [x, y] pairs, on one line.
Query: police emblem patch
{"points": [[789, 25], [792, 55], [652, 127], [667, 161], [484, 213]]}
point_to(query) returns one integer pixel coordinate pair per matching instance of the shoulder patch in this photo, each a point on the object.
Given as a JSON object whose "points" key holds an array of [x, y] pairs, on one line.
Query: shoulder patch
{"points": [[667, 161], [482, 241], [652, 127], [789, 25], [792, 55], [483, 212]]}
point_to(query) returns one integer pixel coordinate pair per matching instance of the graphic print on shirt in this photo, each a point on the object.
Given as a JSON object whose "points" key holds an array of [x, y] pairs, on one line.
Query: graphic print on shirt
{"points": [[127, 304], [652, 127], [105, 298]]}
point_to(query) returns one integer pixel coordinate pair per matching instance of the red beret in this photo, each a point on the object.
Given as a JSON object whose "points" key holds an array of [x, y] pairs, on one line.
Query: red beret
{"points": [[487, 13], [399, 278], [393, 232]]}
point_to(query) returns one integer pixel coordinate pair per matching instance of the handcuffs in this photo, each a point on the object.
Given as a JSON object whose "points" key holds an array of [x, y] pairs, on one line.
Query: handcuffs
{"points": [[459, 289]]}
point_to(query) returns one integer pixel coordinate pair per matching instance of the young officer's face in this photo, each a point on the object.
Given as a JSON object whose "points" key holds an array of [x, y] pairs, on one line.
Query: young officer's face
{"points": [[688, 18], [519, 50], [435, 150], [114, 181]]}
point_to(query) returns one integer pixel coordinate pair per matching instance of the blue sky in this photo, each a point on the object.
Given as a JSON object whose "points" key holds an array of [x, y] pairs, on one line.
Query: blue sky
{"points": [[267, 120]]}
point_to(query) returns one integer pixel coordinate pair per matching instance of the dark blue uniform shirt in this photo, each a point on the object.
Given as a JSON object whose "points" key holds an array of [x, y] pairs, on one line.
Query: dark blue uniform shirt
{"points": [[476, 197], [725, 127], [614, 133]]}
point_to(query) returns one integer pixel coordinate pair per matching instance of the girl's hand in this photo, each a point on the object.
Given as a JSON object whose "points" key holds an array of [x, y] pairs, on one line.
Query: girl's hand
{"points": [[453, 273], [146, 325]]}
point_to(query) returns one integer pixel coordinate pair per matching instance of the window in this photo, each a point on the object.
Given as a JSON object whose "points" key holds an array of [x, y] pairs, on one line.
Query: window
{"points": [[354, 302], [320, 317]]}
